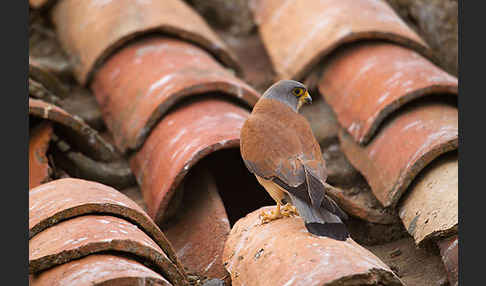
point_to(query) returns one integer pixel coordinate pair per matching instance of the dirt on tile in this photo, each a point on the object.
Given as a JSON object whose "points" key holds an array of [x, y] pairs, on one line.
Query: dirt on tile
{"points": [[415, 266], [436, 22]]}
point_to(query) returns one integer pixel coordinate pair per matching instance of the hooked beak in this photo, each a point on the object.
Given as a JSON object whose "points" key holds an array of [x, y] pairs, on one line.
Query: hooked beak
{"points": [[307, 98]]}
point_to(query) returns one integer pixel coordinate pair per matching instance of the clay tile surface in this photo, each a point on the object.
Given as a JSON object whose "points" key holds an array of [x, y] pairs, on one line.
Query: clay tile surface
{"points": [[41, 74], [200, 227], [284, 253], [63, 199], [297, 34], [87, 138], [91, 30], [182, 138], [39, 139], [139, 84], [37, 4], [404, 145], [449, 250], [430, 208], [367, 81], [100, 270], [84, 235]]}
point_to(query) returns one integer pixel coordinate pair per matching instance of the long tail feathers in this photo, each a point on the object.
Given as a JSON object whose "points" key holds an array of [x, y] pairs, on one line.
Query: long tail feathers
{"points": [[319, 221]]}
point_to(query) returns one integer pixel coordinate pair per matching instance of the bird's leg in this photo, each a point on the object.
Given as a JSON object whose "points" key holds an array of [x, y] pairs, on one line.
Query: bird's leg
{"points": [[273, 215], [289, 210]]}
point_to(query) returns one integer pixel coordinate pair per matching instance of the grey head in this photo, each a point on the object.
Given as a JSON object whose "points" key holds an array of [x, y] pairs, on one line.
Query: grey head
{"points": [[290, 92]]}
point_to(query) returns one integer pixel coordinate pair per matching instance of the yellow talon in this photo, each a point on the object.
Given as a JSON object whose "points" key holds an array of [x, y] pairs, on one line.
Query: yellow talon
{"points": [[280, 211], [289, 210], [273, 215]]}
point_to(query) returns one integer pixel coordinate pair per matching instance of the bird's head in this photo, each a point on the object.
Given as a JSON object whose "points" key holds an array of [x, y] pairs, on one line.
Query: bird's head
{"points": [[290, 92]]}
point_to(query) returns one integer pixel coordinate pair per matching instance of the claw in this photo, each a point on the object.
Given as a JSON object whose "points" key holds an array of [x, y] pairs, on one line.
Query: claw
{"points": [[289, 210], [273, 215], [286, 210]]}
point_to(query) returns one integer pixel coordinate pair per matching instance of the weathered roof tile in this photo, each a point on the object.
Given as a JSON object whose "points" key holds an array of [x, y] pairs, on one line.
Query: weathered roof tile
{"points": [[283, 252], [64, 199], [100, 269], [84, 235], [449, 250], [200, 226], [39, 139], [367, 81], [404, 145], [87, 139], [140, 83], [182, 138], [298, 34], [430, 208], [90, 31]]}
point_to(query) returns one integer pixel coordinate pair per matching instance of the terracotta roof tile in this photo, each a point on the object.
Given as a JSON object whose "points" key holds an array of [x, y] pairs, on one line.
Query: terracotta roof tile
{"points": [[50, 81], [449, 250], [406, 144], [110, 270], [163, 82], [64, 199], [182, 138], [91, 30], [88, 140], [363, 205], [138, 85], [283, 252], [84, 235], [430, 208], [298, 34], [366, 82], [200, 226], [38, 4], [39, 139]]}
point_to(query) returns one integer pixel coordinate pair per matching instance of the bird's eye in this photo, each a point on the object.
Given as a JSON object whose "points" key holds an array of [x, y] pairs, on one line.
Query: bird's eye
{"points": [[298, 91]]}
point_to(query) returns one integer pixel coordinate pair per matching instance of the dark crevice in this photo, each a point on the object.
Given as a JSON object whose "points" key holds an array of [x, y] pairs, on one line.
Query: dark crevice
{"points": [[240, 191]]}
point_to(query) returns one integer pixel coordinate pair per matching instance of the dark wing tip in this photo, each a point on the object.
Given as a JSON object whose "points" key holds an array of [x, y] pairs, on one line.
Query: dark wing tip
{"points": [[336, 231]]}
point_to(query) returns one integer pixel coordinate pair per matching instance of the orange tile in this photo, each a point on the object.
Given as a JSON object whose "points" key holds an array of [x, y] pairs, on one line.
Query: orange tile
{"points": [[138, 85], [366, 82], [90, 31]]}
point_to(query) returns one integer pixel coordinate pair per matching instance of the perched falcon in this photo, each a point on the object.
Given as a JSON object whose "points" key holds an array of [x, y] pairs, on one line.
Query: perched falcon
{"points": [[277, 145]]}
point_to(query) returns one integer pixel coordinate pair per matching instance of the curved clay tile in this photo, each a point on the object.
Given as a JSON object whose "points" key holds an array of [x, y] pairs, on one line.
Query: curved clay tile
{"points": [[46, 78], [39, 4], [103, 269], [449, 250], [90, 31], [362, 205], [84, 235], [181, 139], [430, 208], [283, 252], [405, 144], [298, 34], [64, 199], [139, 84], [89, 141], [200, 227], [39, 139], [366, 82]]}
